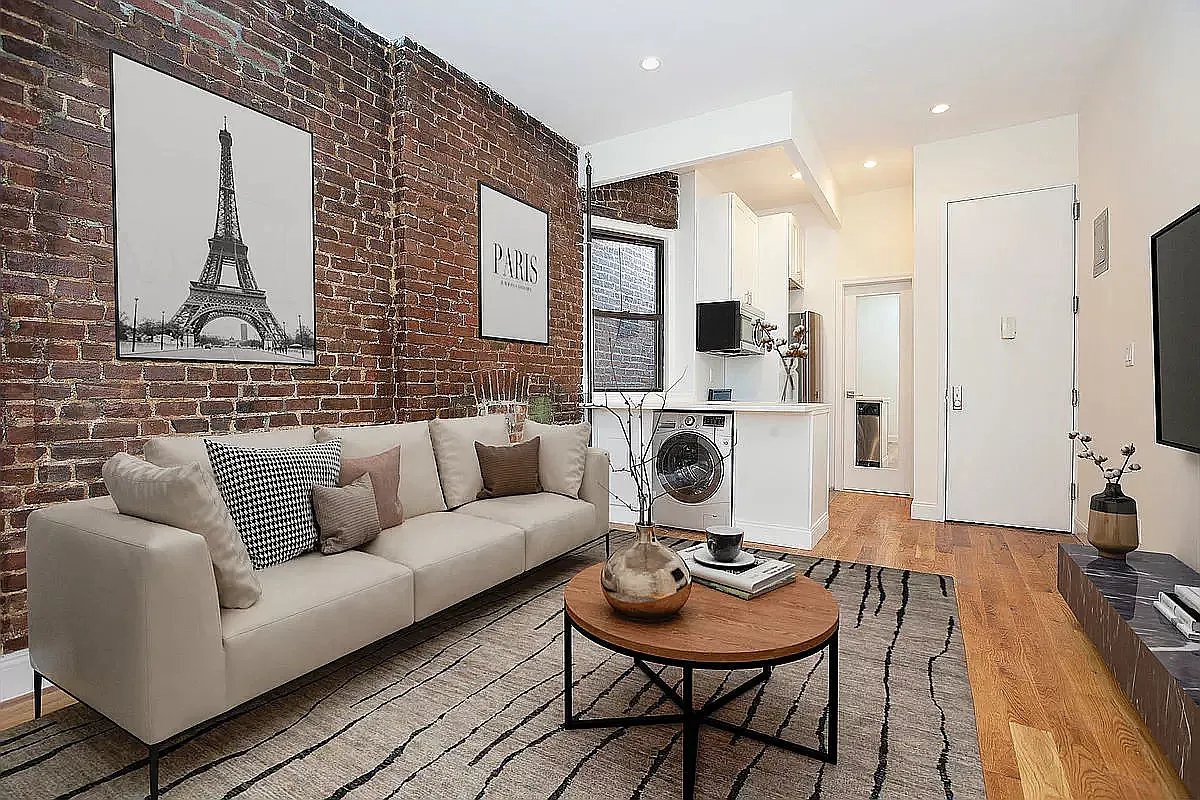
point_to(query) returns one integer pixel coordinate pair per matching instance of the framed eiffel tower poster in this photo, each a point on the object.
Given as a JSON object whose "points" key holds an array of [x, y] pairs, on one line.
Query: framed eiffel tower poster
{"points": [[209, 267]]}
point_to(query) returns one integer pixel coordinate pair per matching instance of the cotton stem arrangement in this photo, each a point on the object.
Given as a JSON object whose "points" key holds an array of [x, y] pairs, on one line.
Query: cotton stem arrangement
{"points": [[1111, 474]]}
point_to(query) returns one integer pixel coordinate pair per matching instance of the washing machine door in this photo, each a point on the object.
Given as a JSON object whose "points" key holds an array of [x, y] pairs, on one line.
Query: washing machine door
{"points": [[689, 467]]}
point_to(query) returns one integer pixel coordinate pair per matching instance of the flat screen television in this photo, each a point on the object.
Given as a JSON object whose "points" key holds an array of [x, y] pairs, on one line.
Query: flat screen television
{"points": [[1175, 274]]}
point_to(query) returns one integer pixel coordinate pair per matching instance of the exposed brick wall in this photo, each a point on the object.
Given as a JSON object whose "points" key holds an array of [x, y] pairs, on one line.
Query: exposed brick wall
{"points": [[67, 404], [453, 132], [648, 200]]}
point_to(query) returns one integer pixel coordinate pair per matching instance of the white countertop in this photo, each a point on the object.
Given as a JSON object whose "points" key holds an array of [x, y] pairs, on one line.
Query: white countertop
{"points": [[749, 406]]}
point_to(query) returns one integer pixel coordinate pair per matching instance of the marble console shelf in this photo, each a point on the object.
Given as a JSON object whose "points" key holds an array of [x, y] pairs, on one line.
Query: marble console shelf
{"points": [[1156, 666]]}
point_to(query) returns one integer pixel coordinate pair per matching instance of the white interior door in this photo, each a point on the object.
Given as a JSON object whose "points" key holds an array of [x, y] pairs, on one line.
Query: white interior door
{"points": [[1010, 359], [877, 375]]}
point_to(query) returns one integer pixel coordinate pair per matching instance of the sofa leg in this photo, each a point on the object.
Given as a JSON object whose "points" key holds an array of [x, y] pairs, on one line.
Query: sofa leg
{"points": [[153, 769], [607, 552], [37, 694]]}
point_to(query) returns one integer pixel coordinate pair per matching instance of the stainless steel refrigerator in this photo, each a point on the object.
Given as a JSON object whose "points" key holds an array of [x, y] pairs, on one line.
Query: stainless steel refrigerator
{"points": [[809, 384]]}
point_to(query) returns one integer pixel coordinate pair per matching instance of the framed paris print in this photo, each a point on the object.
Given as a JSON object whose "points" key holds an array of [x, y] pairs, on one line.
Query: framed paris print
{"points": [[213, 220], [514, 275]]}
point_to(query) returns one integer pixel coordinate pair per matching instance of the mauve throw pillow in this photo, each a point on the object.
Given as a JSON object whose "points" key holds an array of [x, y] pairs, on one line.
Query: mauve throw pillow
{"points": [[508, 470], [384, 469], [346, 516]]}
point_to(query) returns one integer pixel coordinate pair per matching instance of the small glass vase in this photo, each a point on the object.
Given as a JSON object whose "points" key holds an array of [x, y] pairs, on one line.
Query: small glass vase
{"points": [[1113, 522], [647, 580]]}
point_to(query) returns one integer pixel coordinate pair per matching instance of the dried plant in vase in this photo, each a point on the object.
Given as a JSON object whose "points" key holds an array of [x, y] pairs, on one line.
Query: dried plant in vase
{"points": [[646, 580], [1112, 518], [790, 351]]}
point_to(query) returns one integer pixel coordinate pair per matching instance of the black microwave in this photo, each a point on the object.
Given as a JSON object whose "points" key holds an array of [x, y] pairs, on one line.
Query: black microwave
{"points": [[728, 328]]}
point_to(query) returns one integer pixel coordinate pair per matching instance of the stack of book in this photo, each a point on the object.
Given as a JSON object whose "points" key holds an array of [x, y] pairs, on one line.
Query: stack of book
{"points": [[1182, 608], [746, 582]]}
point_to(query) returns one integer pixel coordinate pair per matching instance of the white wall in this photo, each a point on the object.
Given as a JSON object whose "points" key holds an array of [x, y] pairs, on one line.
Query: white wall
{"points": [[1138, 131], [876, 237], [1033, 156]]}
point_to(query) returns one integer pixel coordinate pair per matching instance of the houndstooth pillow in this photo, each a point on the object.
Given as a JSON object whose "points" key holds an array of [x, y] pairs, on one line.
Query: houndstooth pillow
{"points": [[269, 495]]}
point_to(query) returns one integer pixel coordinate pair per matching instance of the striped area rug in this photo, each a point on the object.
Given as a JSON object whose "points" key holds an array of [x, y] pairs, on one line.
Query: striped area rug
{"points": [[468, 705]]}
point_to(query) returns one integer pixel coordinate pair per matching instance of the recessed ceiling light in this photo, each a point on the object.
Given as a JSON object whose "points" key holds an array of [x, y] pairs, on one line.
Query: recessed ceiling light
{"points": [[798, 175], [870, 163], [651, 63], [940, 108]]}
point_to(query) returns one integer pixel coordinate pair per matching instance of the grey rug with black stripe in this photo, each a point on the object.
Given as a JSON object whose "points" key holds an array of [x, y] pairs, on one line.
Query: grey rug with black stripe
{"points": [[468, 704]]}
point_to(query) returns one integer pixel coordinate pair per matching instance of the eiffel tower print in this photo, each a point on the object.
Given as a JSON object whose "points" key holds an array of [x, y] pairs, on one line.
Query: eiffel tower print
{"points": [[211, 299]]}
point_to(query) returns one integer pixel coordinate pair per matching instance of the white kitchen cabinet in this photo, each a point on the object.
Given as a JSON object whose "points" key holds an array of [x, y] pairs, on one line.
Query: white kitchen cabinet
{"points": [[781, 248], [727, 250]]}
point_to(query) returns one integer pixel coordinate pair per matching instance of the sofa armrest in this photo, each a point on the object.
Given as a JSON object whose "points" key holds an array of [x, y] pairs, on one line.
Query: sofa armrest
{"points": [[123, 615], [595, 486]]}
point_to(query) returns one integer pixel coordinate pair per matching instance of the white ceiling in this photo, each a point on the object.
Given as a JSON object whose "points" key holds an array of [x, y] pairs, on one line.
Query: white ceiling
{"points": [[867, 71], [762, 178]]}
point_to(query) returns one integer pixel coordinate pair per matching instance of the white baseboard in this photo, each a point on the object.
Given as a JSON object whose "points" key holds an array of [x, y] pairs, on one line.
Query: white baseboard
{"points": [[927, 511], [16, 675], [1081, 529], [781, 536]]}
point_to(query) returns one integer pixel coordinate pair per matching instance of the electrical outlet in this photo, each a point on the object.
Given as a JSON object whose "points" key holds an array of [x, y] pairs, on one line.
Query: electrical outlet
{"points": [[1129, 354]]}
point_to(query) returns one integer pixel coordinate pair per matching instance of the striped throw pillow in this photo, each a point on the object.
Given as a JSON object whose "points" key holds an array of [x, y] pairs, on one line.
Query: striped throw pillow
{"points": [[347, 516]]}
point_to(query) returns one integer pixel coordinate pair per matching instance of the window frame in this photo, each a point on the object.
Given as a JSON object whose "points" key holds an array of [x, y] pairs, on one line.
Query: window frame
{"points": [[660, 249]]}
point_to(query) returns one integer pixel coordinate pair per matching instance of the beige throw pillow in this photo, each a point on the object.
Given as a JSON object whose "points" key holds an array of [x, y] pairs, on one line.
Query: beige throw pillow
{"points": [[454, 445], [186, 497], [562, 456], [346, 515], [420, 489]]}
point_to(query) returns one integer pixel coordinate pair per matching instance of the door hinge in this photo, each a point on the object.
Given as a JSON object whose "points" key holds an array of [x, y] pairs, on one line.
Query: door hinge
{"points": [[1075, 304], [1075, 210], [1074, 397], [1074, 491]]}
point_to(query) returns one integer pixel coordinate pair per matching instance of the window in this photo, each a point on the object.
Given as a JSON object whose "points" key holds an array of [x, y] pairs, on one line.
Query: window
{"points": [[625, 294]]}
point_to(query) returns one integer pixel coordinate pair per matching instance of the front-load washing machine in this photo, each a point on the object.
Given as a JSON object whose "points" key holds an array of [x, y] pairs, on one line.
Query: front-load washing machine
{"points": [[693, 469]]}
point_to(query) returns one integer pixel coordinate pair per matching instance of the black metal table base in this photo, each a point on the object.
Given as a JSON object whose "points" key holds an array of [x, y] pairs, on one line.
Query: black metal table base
{"points": [[693, 718]]}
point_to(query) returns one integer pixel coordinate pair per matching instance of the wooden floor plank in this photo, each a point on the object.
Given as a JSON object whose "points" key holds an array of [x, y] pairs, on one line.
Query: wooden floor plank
{"points": [[1042, 774]]}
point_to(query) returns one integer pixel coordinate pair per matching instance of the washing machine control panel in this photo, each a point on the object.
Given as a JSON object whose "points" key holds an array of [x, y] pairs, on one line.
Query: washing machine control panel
{"points": [[715, 421]]}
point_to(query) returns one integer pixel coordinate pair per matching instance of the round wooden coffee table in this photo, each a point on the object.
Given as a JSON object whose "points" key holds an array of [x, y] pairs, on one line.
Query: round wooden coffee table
{"points": [[713, 631]]}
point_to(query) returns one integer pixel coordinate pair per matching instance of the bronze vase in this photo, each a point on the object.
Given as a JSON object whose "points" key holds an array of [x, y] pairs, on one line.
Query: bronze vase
{"points": [[1113, 522], [646, 580]]}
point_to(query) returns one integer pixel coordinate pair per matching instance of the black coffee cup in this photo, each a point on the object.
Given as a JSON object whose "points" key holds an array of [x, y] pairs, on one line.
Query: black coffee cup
{"points": [[724, 542]]}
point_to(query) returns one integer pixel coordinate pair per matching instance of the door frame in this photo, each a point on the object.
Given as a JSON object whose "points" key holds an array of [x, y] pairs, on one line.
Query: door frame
{"points": [[944, 355], [839, 369]]}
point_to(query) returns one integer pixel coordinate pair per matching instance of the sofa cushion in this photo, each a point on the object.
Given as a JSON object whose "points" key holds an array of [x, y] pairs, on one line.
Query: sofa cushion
{"points": [[269, 494], [420, 489], [314, 609], [553, 524], [170, 451], [562, 456], [186, 497], [452, 556], [454, 445]]}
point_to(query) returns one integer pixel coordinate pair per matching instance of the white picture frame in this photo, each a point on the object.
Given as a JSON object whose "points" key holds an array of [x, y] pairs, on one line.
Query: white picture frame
{"points": [[514, 268]]}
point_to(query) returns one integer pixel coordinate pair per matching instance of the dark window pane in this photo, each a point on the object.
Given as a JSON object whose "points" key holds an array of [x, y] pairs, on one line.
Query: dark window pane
{"points": [[624, 276], [626, 354]]}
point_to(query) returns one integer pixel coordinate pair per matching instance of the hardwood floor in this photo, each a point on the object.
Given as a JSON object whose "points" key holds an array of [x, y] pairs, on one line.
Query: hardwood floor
{"points": [[1052, 721]]}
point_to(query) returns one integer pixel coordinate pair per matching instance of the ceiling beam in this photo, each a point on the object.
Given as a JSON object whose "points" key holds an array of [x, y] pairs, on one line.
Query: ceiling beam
{"points": [[775, 121]]}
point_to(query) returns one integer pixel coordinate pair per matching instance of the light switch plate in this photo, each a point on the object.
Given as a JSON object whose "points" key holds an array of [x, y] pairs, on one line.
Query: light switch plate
{"points": [[1008, 327], [1129, 354]]}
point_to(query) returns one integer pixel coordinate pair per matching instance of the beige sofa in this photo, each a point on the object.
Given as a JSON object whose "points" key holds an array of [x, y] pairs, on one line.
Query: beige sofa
{"points": [[123, 612]]}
